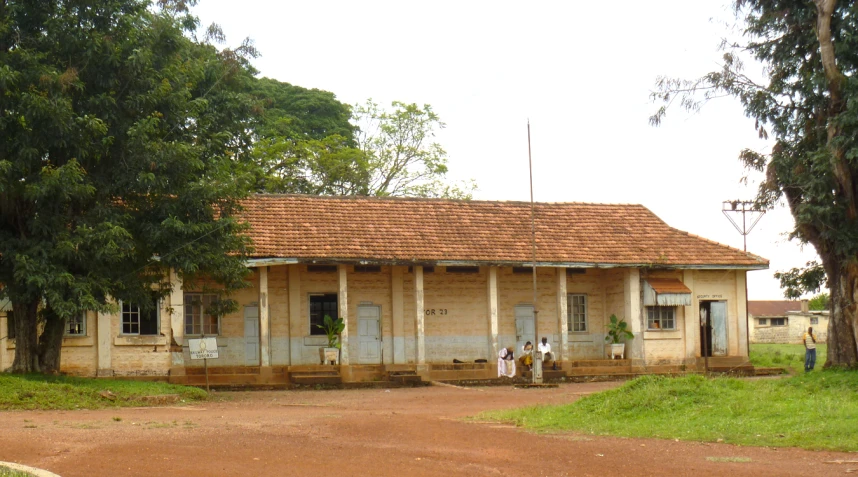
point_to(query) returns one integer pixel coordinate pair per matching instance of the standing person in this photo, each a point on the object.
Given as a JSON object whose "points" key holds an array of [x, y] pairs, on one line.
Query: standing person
{"points": [[545, 349], [810, 350], [506, 363]]}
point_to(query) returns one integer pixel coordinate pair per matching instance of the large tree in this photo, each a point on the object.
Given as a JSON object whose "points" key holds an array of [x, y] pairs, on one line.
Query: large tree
{"points": [[808, 103], [121, 159]]}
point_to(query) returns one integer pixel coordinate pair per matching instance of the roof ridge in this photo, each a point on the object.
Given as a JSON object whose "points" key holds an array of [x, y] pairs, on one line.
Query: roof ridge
{"points": [[439, 199], [755, 256]]}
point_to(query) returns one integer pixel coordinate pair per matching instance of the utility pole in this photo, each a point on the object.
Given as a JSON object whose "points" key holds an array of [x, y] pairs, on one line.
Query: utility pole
{"points": [[732, 208], [536, 372]]}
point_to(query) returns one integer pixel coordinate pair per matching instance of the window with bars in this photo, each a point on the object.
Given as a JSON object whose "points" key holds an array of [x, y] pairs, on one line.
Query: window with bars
{"points": [[76, 325], [321, 305], [661, 317], [576, 310], [137, 320], [10, 324], [199, 318]]}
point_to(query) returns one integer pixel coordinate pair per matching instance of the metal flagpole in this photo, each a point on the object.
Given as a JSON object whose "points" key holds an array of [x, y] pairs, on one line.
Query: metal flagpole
{"points": [[536, 373]]}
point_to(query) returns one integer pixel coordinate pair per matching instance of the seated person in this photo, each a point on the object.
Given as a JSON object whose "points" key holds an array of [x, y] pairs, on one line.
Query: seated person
{"points": [[526, 357], [545, 349]]}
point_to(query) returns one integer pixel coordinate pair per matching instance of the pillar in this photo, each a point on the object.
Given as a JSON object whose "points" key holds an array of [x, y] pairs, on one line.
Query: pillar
{"points": [[691, 326], [741, 316], [632, 314], [4, 333], [264, 322], [492, 294], [105, 364], [177, 320], [562, 316], [398, 315], [343, 308], [295, 316], [418, 307]]}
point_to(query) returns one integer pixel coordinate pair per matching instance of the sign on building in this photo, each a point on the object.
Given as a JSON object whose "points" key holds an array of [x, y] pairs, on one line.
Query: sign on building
{"points": [[203, 348]]}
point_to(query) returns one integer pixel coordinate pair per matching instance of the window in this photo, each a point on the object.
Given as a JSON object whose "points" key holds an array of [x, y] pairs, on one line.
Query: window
{"points": [[322, 268], [778, 321], [10, 324], [522, 270], [367, 268], [199, 318], [139, 321], [661, 317], [576, 309], [321, 305], [814, 321], [763, 321], [76, 325], [463, 269]]}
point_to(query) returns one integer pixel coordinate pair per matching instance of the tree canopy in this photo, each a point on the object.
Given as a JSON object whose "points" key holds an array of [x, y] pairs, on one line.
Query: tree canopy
{"points": [[309, 143], [123, 141], [808, 104]]}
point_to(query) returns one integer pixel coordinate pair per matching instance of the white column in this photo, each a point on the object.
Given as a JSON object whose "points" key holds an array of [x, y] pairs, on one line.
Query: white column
{"points": [[692, 325], [264, 322], [177, 318], [398, 314], [492, 294], [105, 364], [418, 306], [4, 332], [295, 315], [741, 316], [632, 312], [343, 305], [562, 316]]}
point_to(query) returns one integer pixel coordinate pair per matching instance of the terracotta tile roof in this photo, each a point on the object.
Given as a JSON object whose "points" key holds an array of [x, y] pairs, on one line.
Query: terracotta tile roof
{"points": [[399, 230], [667, 285], [772, 307]]}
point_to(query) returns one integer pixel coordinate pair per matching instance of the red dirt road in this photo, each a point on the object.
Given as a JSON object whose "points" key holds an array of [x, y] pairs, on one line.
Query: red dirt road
{"points": [[400, 432]]}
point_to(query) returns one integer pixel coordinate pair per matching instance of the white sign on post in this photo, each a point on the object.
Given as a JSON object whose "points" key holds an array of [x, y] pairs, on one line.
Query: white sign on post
{"points": [[203, 348]]}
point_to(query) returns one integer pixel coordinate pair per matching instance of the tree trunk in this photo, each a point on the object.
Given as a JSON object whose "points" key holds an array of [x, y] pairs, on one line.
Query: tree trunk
{"points": [[26, 338], [51, 342], [842, 339]]}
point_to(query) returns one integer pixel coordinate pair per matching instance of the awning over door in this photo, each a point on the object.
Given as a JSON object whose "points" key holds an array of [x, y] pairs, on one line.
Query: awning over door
{"points": [[666, 292]]}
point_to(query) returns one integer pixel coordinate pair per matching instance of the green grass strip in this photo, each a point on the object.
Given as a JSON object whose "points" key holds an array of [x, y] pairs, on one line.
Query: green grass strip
{"points": [[815, 411], [7, 472], [36, 391], [789, 356]]}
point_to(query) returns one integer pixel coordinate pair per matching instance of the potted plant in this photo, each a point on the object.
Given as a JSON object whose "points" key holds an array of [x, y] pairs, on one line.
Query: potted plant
{"points": [[618, 332], [332, 329]]}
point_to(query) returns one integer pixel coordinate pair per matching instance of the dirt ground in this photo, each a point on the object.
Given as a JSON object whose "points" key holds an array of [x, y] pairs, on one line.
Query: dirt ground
{"points": [[374, 432]]}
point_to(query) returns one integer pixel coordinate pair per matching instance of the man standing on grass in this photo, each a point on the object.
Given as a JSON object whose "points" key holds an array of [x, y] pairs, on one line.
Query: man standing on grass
{"points": [[810, 350]]}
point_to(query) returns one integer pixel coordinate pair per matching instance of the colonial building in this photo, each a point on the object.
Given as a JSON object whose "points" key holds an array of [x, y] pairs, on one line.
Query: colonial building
{"points": [[783, 321], [423, 282]]}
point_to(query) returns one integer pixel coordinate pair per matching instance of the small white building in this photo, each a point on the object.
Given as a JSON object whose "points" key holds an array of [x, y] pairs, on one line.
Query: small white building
{"points": [[785, 321]]}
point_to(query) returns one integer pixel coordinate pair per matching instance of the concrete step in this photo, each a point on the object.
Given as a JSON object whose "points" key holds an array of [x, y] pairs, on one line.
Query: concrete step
{"points": [[599, 370], [592, 363], [328, 372], [549, 374], [317, 379], [230, 370]]}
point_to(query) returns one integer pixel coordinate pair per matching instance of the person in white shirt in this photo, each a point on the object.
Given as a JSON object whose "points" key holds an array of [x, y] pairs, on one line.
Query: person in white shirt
{"points": [[545, 349], [506, 363]]}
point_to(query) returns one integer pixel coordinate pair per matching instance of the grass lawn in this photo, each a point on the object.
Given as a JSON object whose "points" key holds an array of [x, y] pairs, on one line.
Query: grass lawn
{"points": [[815, 411], [7, 472], [36, 391], [785, 356]]}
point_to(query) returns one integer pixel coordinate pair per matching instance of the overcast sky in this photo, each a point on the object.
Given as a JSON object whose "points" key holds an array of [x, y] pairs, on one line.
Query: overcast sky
{"points": [[580, 71]]}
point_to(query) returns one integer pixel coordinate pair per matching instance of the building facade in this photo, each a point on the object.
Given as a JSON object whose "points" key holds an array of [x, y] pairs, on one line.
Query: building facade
{"points": [[436, 287]]}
